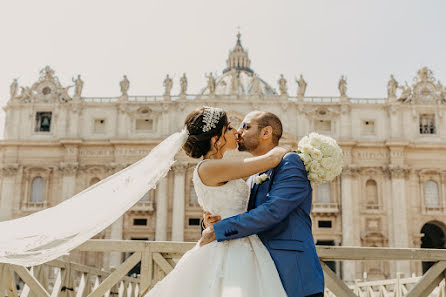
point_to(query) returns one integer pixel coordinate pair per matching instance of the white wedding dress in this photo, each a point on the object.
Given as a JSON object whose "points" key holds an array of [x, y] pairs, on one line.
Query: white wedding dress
{"points": [[235, 268]]}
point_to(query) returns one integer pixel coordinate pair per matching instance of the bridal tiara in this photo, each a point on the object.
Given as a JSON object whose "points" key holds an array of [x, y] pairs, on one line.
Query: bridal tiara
{"points": [[211, 117]]}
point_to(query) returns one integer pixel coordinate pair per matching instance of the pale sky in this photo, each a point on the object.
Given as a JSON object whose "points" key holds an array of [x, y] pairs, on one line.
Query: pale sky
{"points": [[367, 40]]}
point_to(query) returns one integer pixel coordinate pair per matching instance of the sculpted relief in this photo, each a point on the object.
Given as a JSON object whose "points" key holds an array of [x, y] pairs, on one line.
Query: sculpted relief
{"points": [[425, 89]]}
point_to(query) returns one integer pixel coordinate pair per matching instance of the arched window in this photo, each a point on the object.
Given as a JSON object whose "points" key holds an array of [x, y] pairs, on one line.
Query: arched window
{"points": [[193, 198], [323, 193], [371, 190], [37, 189], [94, 180], [431, 193]]}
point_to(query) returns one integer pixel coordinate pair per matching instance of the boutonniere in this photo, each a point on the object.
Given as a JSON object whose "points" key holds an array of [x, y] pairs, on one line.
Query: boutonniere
{"points": [[261, 178]]}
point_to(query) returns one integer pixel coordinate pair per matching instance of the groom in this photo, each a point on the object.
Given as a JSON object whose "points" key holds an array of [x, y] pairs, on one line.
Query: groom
{"points": [[278, 211]]}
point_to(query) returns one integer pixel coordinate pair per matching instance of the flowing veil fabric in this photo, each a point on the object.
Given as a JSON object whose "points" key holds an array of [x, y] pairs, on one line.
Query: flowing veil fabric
{"points": [[53, 232]]}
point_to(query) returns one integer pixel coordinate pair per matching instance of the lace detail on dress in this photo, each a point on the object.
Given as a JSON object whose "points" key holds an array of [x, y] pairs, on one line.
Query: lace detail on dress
{"points": [[226, 201]]}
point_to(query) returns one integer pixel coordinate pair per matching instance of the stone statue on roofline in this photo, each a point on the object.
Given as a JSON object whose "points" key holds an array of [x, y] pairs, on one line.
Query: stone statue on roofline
{"points": [[342, 86], [282, 85], [124, 84], [302, 87], [167, 85], [183, 83], [211, 83], [78, 86], [392, 86]]}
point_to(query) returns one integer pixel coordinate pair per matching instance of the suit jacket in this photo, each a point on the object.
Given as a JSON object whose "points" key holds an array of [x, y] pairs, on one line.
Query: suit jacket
{"points": [[279, 213]]}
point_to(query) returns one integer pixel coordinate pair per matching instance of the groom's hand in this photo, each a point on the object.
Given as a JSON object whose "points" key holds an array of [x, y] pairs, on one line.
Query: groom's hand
{"points": [[207, 236]]}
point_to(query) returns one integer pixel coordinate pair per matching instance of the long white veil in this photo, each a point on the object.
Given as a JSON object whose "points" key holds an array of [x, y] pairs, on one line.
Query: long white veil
{"points": [[53, 232]]}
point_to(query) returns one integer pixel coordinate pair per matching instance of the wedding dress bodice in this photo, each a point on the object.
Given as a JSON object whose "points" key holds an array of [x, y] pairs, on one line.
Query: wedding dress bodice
{"points": [[225, 201]]}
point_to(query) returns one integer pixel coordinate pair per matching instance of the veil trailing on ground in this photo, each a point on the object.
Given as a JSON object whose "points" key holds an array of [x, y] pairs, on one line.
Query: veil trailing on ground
{"points": [[53, 232]]}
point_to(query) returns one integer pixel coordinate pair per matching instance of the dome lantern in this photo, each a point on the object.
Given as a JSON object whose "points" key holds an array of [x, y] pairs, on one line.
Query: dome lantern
{"points": [[238, 58]]}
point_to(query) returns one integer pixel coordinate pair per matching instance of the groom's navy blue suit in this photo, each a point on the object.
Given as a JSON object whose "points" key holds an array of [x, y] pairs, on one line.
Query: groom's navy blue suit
{"points": [[279, 213]]}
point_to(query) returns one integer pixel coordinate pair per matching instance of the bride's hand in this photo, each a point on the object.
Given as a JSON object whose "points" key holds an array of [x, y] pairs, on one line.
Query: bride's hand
{"points": [[279, 151], [209, 219]]}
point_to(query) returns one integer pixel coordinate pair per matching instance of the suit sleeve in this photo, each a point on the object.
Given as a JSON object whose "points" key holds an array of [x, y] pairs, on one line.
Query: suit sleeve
{"points": [[289, 189]]}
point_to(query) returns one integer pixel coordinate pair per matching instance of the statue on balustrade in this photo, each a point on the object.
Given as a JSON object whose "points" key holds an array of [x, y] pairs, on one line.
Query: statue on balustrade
{"points": [[282, 85], [211, 83], [78, 86], [183, 82], [167, 85], [392, 86], [342, 86], [302, 86], [26, 94], [124, 84], [405, 96], [13, 88]]}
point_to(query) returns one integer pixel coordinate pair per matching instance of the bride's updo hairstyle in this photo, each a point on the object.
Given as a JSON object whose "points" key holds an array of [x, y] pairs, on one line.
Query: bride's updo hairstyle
{"points": [[203, 124]]}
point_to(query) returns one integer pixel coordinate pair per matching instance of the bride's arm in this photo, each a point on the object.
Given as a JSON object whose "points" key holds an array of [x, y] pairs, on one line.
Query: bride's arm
{"points": [[216, 172]]}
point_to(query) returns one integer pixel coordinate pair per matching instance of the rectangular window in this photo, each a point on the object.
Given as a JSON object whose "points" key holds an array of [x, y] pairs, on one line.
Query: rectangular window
{"points": [[43, 122], [324, 224], [427, 124], [144, 125], [194, 222], [139, 222], [99, 126], [140, 238]]}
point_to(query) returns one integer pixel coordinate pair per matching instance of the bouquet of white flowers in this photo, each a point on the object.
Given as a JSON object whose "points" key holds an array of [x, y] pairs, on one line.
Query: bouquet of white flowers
{"points": [[322, 157]]}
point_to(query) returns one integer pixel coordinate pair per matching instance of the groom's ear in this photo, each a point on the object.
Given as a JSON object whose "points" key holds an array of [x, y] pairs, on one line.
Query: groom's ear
{"points": [[267, 132]]}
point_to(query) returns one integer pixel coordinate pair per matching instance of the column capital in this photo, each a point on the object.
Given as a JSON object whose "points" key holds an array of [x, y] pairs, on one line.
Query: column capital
{"points": [[69, 168], [10, 169], [398, 171], [350, 171], [180, 167]]}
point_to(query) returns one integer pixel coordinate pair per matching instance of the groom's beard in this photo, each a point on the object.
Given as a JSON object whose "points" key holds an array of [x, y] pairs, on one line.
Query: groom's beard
{"points": [[248, 146]]}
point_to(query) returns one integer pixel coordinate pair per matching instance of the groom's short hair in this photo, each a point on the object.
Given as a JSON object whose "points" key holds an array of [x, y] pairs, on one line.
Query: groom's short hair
{"points": [[270, 119]]}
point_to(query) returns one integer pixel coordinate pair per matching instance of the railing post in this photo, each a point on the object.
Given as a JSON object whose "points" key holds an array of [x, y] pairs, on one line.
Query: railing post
{"points": [[146, 271]]}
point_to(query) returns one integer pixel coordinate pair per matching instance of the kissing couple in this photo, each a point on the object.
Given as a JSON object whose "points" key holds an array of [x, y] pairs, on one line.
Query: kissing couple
{"points": [[258, 241]]}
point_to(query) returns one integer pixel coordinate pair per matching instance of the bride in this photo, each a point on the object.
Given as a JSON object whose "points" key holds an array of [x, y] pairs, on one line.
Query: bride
{"points": [[234, 268]]}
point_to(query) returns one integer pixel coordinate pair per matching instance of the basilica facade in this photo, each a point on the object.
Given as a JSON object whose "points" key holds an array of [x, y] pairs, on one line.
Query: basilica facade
{"points": [[391, 192]]}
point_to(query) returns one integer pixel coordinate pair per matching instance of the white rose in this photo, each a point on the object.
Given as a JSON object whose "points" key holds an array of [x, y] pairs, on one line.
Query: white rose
{"points": [[305, 158], [316, 154], [306, 148], [315, 141], [314, 166], [328, 163]]}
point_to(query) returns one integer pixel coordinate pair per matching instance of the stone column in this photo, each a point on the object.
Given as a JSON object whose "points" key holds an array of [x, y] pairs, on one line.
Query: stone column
{"points": [[9, 173], [69, 170], [399, 215], [348, 267], [178, 202], [161, 210]]}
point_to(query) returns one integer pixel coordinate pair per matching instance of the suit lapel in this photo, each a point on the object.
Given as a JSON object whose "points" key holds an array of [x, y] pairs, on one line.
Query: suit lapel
{"points": [[255, 188], [252, 197]]}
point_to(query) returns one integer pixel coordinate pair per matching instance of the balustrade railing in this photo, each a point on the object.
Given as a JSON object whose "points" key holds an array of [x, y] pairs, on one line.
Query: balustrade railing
{"points": [[164, 98], [157, 259]]}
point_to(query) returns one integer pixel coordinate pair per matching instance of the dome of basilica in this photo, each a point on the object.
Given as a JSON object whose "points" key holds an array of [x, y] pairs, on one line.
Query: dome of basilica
{"points": [[238, 78]]}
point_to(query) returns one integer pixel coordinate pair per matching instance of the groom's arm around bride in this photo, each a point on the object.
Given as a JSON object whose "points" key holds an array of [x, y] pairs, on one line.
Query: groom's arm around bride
{"points": [[280, 216]]}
